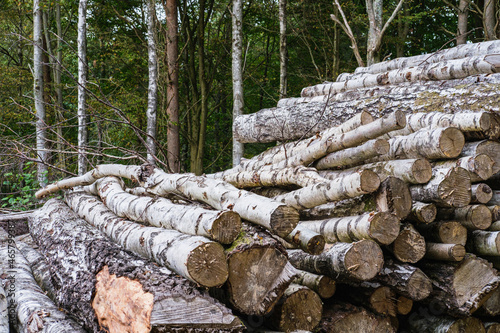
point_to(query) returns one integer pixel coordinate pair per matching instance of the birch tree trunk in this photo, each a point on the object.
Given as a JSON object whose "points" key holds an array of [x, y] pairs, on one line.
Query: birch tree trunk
{"points": [[38, 87], [152, 85], [192, 257], [473, 217], [463, 15], [480, 166], [82, 86], [487, 147], [308, 240], [237, 72], [283, 48], [481, 193], [105, 286], [485, 243], [489, 20], [444, 252]]}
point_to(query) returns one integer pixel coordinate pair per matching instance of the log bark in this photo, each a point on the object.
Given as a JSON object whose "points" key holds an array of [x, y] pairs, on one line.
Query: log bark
{"points": [[381, 227], [259, 271], [495, 212], [222, 196], [495, 199], [412, 171], [300, 308], [495, 226], [306, 239], [4, 314], [221, 226], [473, 217], [447, 232], [448, 188], [353, 185], [105, 286], [342, 261], [444, 70], [491, 307], [324, 286], [428, 324], [484, 243], [444, 252], [409, 245], [192, 257], [481, 193], [480, 166], [378, 299], [406, 279], [492, 327], [30, 309], [455, 291], [487, 147], [353, 156], [422, 212]]}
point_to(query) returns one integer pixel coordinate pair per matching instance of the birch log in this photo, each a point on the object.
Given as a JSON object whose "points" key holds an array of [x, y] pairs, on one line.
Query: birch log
{"points": [[107, 288], [192, 257], [342, 261], [448, 187], [444, 70], [495, 199], [480, 166], [33, 310], [484, 243], [306, 239], [324, 286], [220, 195], [473, 217], [409, 245], [495, 212], [487, 147], [422, 212], [430, 324], [454, 290], [447, 232], [380, 299], [444, 252], [4, 314], [491, 307], [221, 226], [481, 193], [412, 171], [381, 227]]}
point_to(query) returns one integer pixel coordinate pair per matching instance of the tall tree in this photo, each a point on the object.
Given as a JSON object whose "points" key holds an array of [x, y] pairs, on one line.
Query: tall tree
{"points": [[41, 135], [283, 48], [153, 84], [463, 13], [238, 102], [82, 86], [489, 20]]}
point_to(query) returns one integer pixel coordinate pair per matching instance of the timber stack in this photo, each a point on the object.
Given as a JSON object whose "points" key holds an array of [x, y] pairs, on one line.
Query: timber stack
{"points": [[378, 212]]}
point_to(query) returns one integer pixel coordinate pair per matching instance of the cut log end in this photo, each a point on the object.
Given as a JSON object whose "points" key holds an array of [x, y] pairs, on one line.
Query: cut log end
{"points": [[316, 244], [419, 286], [409, 246], [451, 142], [483, 166], [366, 118], [404, 305], [382, 301], [467, 325], [394, 196], [283, 220], [207, 265], [422, 171], [400, 118], [481, 193], [384, 227], [369, 181], [381, 146], [326, 287], [364, 260], [481, 217], [455, 190], [226, 227], [424, 212], [452, 232]]}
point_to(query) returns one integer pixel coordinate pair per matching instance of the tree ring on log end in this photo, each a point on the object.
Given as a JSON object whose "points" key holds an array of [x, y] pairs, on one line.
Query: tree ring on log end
{"points": [[226, 228], [382, 301], [283, 220], [404, 305], [457, 252], [316, 244], [452, 232], [455, 190], [364, 260], [327, 287], [483, 166], [366, 118], [409, 246], [207, 265], [422, 171], [384, 227], [369, 181], [295, 316], [451, 142], [481, 217], [419, 286]]}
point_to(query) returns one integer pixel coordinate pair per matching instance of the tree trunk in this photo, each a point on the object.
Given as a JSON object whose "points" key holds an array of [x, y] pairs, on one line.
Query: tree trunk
{"points": [[454, 290], [489, 20], [38, 88], [4, 314], [444, 252], [422, 212], [30, 309], [473, 217], [300, 308], [237, 72], [412, 171], [481, 193], [58, 84], [271, 214], [342, 261], [324, 286], [380, 227], [409, 245], [104, 286], [447, 232], [428, 323], [463, 15], [353, 156], [308, 240], [448, 187], [491, 307], [487, 147], [480, 166], [221, 226], [82, 86], [283, 48], [484, 243], [152, 85]]}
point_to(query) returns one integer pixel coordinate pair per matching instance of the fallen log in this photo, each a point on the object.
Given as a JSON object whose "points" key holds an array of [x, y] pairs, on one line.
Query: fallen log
{"points": [[486, 147], [104, 286], [4, 314], [448, 187], [412, 171], [484, 243], [322, 285], [480, 166], [428, 324], [454, 290], [378, 299], [300, 308], [422, 212], [222, 196], [473, 217], [481, 193], [381, 227], [306, 239], [342, 261], [491, 307], [30, 309], [447, 232], [409, 245], [221, 226], [195, 258], [444, 252]]}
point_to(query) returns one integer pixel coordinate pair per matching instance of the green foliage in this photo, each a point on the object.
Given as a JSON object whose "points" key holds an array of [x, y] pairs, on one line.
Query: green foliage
{"points": [[22, 187]]}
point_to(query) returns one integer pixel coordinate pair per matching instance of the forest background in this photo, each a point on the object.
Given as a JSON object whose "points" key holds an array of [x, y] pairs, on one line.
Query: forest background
{"points": [[317, 49]]}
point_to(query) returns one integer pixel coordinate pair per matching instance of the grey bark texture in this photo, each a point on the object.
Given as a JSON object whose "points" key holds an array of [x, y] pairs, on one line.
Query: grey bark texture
{"points": [[237, 73], [82, 87], [152, 85]]}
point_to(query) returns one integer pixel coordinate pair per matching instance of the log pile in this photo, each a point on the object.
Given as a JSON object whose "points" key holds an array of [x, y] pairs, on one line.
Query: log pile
{"points": [[383, 215]]}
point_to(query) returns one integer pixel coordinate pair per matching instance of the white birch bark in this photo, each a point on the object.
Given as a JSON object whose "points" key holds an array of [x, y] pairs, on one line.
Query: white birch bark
{"points": [[41, 133], [444, 252], [237, 74], [481, 193], [350, 186], [82, 86], [270, 214], [485, 243], [283, 48], [412, 171], [192, 257], [495, 200], [221, 226], [152, 85], [487, 147], [306, 239], [353, 156], [4, 314], [34, 311], [380, 227], [321, 284], [480, 166], [445, 70]]}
